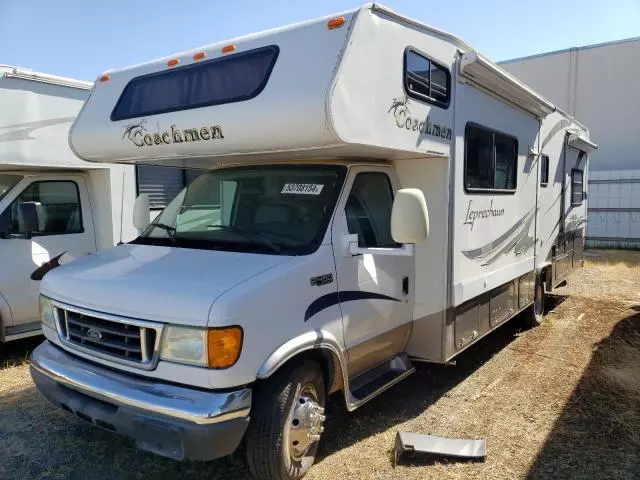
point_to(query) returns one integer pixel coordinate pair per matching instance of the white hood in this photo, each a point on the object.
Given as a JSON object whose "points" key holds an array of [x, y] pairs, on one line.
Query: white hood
{"points": [[164, 284]]}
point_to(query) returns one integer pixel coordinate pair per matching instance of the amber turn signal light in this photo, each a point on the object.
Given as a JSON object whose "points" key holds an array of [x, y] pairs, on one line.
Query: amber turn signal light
{"points": [[228, 48], [224, 346], [335, 23]]}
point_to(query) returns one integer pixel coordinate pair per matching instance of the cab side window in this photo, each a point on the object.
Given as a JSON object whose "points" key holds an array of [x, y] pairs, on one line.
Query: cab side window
{"points": [[46, 208], [368, 210]]}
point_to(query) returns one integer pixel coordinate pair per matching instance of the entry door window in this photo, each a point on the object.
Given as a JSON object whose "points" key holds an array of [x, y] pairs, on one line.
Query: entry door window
{"points": [[45, 208], [368, 210], [577, 187]]}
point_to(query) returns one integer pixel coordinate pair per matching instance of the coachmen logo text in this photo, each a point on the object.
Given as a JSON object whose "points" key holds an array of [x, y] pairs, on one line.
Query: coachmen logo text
{"points": [[137, 133], [400, 110]]}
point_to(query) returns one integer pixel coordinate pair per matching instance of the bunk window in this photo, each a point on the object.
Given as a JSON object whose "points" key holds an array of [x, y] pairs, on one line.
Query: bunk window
{"points": [[544, 170], [234, 78], [577, 187], [425, 80], [491, 160]]}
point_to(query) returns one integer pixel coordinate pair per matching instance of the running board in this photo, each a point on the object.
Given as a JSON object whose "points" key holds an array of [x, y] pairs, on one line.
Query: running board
{"points": [[368, 385]]}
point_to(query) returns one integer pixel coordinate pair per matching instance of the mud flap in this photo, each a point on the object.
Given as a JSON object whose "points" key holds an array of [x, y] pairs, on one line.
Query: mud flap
{"points": [[448, 447]]}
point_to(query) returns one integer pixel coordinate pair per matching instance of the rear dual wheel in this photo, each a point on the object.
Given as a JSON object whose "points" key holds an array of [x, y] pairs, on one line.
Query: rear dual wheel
{"points": [[537, 309], [286, 423]]}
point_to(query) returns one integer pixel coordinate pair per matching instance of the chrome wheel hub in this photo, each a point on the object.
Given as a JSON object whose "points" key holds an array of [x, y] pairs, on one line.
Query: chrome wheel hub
{"points": [[305, 422]]}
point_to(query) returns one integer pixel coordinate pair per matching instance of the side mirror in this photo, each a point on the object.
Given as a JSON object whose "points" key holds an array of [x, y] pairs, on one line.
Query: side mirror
{"points": [[141, 212], [29, 217], [409, 216]]}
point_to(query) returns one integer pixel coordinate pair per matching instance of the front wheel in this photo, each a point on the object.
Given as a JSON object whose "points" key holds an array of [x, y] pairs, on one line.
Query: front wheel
{"points": [[286, 423]]}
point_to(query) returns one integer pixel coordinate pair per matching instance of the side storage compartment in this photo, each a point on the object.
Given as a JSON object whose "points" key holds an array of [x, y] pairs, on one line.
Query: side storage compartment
{"points": [[526, 290], [469, 322], [503, 304], [567, 255]]}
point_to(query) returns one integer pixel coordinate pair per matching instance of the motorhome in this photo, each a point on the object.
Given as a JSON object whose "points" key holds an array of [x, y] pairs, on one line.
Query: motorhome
{"points": [[378, 194], [54, 207]]}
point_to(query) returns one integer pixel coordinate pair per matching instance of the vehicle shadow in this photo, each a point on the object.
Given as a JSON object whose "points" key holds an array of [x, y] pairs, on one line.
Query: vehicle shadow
{"points": [[18, 351], [597, 435]]}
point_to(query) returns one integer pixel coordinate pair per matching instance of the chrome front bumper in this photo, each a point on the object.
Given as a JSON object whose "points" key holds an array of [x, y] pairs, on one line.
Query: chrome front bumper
{"points": [[192, 423]]}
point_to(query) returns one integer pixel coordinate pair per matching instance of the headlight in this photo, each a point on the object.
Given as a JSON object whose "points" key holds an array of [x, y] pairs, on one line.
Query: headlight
{"points": [[184, 345], [47, 315], [213, 347]]}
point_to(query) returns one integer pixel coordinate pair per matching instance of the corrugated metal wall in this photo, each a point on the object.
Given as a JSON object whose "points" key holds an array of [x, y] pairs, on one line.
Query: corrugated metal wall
{"points": [[163, 183], [614, 209]]}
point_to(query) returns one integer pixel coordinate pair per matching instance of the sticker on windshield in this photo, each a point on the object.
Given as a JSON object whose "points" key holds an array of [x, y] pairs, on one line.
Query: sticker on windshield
{"points": [[302, 188]]}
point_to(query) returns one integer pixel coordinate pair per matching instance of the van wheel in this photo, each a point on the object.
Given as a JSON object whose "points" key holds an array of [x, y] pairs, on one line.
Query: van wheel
{"points": [[537, 309], [286, 423]]}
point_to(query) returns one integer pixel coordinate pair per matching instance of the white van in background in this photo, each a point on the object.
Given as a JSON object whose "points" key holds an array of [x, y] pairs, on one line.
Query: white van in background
{"points": [[305, 262], [54, 207]]}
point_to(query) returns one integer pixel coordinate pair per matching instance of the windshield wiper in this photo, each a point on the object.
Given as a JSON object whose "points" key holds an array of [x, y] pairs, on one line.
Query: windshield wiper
{"points": [[251, 236], [171, 231]]}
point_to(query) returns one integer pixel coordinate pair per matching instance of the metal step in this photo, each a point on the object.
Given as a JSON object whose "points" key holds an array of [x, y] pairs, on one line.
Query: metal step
{"points": [[366, 386]]}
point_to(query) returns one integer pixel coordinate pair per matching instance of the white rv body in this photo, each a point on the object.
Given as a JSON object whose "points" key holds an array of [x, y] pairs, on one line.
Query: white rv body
{"points": [[340, 104], [36, 113]]}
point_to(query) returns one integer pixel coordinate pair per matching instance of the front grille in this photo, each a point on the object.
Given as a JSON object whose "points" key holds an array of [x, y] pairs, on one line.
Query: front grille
{"points": [[126, 341]]}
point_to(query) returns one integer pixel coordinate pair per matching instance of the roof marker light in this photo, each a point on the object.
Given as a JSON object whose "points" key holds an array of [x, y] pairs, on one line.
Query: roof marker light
{"points": [[335, 23], [228, 48], [105, 78], [173, 62], [199, 56]]}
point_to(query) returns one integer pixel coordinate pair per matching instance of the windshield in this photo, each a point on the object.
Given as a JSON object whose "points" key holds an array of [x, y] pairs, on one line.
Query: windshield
{"points": [[274, 209], [7, 182]]}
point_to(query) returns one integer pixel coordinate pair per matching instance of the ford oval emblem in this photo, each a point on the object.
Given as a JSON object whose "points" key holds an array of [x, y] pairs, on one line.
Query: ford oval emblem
{"points": [[94, 334]]}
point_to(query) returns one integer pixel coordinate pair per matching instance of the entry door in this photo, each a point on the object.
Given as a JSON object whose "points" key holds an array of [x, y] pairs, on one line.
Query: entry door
{"points": [[375, 290], [574, 212], [60, 210]]}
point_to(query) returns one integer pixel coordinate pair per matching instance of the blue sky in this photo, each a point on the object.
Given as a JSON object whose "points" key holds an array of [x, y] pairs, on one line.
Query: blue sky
{"points": [[82, 38]]}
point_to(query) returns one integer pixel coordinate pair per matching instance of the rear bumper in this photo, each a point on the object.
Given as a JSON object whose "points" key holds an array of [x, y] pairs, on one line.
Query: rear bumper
{"points": [[169, 420]]}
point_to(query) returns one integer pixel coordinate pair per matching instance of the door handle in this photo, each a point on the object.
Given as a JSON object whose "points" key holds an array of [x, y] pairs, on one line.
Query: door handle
{"points": [[405, 286]]}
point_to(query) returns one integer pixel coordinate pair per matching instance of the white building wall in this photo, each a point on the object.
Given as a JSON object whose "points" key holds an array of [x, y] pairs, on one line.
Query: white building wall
{"points": [[597, 84]]}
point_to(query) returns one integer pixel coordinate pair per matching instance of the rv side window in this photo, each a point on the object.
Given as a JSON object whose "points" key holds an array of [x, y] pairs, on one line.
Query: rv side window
{"points": [[544, 170], [45, 208], [234, 78], [426, 80], [491, 160], [368, 210], [577, 187]]}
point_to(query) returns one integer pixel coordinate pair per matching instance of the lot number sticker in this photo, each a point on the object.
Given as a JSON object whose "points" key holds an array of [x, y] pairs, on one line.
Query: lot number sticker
{"points": [[302, 188]]}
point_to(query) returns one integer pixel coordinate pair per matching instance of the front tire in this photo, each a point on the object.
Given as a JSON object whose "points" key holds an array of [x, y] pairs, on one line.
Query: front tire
{"points": [[286, 422]]}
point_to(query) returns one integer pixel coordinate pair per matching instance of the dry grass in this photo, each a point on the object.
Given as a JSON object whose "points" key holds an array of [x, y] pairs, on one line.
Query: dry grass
{"points": [[612, 259], [559, 401]]}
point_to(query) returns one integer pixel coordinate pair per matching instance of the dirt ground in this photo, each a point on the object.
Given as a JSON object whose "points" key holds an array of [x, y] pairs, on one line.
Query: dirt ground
{"points": [[558, 401]]}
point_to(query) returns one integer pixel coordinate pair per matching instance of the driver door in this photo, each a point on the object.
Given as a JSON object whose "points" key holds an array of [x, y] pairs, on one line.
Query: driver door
{"points": [[375, 290], [60, 224]]}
